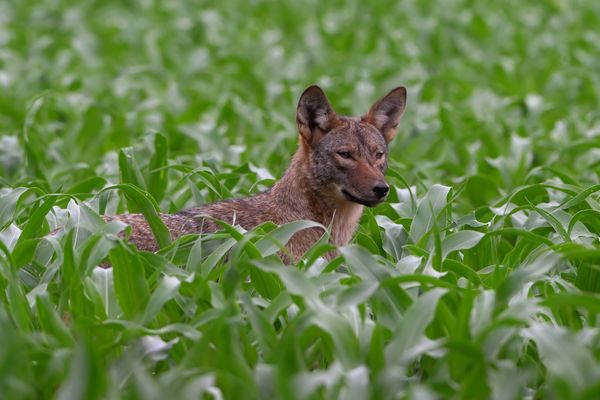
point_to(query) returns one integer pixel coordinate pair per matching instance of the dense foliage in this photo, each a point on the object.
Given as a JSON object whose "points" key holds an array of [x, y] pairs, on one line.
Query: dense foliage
{"points": [[478, 279]]}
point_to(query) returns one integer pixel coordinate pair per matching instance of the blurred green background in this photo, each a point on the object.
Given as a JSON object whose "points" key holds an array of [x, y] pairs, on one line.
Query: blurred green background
{"points": [[221, 79]]}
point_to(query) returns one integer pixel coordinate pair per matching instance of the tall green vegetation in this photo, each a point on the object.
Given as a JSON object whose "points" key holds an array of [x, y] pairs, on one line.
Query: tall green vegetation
{"points": [[478, 279]]}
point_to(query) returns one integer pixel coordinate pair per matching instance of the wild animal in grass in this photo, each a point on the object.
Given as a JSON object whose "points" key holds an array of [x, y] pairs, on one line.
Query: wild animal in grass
{"points": [[338, 169]]}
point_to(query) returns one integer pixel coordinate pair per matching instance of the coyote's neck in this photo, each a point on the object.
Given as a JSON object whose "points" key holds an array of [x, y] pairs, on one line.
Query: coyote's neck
{"points": [[299, 197]]}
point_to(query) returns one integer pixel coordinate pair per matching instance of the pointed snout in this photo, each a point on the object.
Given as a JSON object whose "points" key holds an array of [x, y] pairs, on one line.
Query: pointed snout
{"points": [[367, 186]]}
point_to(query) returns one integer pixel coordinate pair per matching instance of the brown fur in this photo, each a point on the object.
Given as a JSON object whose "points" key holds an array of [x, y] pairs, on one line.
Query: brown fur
{"points": [[339, 167]]}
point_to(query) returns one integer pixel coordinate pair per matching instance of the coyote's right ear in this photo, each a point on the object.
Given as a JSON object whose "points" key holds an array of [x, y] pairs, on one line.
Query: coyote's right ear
{"points": [[385, 114], [315, 116]]}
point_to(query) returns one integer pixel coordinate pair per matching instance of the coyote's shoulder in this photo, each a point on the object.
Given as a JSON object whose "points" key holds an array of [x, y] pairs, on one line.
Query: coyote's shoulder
{"points": [[338, 168]]}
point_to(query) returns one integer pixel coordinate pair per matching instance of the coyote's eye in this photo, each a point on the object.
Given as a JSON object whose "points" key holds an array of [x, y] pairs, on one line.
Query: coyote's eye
{"points": [[378, 155], [345, 154]]}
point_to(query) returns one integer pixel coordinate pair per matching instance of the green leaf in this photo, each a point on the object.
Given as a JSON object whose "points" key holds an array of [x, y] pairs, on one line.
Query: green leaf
{"points": [[345, 342], [394, 238], [166, 290], [88, 185], [130, 283], [265, 283], [18, 305], [356, 294], [294, 281], [564, 355], [211, 261], [580, 197], [142, 201], [85, 379], [158, 173], [460, 240], [530, 271], [9, 202], [134, 329], [276, 239], [130, 173], [588, 301], [51, 323], [265, 334], [580, 215], [409, 339], [462, 270], [35, 222], [430, 206]]}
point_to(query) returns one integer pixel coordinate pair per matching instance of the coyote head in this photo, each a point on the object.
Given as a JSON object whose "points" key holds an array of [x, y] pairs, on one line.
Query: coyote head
{"points": [[347, 156]]}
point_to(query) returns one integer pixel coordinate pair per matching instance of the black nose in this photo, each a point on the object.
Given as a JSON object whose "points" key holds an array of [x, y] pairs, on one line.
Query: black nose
{"points": [[381, 189]]}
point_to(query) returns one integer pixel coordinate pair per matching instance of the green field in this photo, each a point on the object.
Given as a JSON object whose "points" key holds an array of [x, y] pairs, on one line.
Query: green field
{"points": [[479, 278]]}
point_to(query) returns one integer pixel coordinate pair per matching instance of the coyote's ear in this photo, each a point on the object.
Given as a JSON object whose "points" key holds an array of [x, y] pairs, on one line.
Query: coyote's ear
{"points": [[385, 114], [314, 115]]}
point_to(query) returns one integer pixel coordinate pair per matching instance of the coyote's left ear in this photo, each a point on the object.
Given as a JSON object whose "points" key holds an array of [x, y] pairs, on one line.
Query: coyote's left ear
{"points": [[385, 114], [315, 116]]}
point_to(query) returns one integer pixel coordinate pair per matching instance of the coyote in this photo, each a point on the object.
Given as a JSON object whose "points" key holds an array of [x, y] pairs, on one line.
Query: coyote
{"points": [[338, 168]]}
